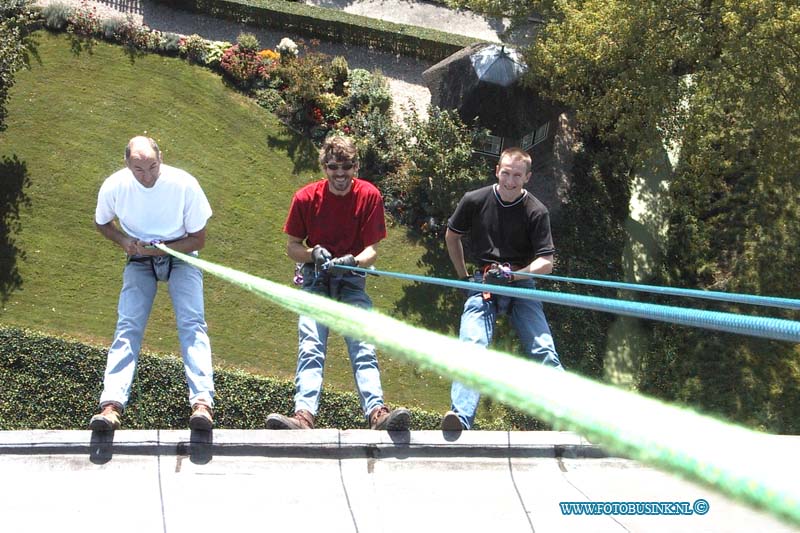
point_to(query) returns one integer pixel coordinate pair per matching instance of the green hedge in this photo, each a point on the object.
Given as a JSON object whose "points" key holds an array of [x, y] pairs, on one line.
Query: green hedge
{"points": [[52, 383], [332, 25]]}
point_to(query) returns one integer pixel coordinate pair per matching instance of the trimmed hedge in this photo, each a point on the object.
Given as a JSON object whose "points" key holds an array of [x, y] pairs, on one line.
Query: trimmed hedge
{"points": [[52, 383], [332, 25]]}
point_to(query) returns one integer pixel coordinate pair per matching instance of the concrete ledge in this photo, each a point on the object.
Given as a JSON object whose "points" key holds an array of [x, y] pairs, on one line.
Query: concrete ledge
{"points": [[341, 481], [318, 443]]}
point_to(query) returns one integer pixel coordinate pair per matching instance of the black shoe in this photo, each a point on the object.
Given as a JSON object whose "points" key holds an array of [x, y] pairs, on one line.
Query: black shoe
{"points": [[451, 422]]}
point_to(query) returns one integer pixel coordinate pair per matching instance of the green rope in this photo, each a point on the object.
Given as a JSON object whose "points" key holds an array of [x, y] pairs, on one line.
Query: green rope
{"points": [[744, 464]]}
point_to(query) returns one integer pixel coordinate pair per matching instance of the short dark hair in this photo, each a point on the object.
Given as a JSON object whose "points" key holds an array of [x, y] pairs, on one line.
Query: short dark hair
{"points": [[153, 145], [515, 152]]}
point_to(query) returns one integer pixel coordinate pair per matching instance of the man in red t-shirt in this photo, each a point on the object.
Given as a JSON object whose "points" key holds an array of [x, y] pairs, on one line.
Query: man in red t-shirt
{"points": [[332, 223]]}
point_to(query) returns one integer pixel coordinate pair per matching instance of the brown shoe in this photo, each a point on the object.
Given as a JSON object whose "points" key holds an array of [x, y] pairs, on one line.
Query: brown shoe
{"points": [[202, 418], [381, 418], [302, 419], [107, 419]]}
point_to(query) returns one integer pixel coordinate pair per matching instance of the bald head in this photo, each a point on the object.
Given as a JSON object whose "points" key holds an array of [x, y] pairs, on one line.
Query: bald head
{"points": [[142, 145], [143, 158]]}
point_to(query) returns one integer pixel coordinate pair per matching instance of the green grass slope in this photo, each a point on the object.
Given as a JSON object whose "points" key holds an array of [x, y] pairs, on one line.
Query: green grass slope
{"points": [[70, 118]]}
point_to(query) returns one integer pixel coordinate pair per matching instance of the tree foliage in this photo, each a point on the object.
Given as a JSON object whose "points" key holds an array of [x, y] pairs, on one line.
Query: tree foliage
{"points": [[721, 80], [628, 67], [16, 46]]}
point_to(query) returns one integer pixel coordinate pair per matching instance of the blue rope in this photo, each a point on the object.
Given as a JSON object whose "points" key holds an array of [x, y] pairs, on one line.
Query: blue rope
{"points": [[751, 299], [764, 327]]}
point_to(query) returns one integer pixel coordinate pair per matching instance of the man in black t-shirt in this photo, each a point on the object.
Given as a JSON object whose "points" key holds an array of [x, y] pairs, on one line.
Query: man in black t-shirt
{"points": [[506, 225]]}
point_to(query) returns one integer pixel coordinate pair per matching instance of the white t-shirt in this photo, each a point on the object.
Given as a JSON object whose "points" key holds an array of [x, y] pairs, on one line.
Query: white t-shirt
{"points": [[173, 207]]}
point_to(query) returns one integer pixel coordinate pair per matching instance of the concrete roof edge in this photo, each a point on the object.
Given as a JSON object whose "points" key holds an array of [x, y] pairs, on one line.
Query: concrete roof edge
{"points": [[320, 443]]}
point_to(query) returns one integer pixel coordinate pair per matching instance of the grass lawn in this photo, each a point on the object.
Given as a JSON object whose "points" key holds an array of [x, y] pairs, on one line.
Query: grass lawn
{"points": [[69, 120]]}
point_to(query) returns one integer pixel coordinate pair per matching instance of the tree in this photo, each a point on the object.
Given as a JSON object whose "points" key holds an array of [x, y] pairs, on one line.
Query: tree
{"points": [[720, 79], [630, 68], [16, 46]]}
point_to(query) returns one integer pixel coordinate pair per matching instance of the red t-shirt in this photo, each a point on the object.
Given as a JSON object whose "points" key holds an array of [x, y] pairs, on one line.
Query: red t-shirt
{"points": [[341, 224]]}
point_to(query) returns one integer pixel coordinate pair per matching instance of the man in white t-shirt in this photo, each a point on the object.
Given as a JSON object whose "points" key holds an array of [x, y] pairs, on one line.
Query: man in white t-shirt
{"points": [[148, 201]]}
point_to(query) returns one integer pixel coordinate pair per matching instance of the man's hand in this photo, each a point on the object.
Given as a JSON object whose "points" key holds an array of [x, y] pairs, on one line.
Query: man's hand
{"points": [[320, 256], [130, 245], [345, 260], [498, 275]]}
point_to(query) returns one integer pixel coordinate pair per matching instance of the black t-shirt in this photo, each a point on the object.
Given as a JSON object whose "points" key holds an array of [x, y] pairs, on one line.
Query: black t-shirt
{"points": [[515, 233]]}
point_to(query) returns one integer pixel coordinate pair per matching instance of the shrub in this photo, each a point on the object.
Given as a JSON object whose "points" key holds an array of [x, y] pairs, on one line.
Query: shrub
{"points": [[50, 383], [170, 43], [84, 21], [358, 81], [110, 27], [268, 55], [136, 36], [57, 15], [381, 141], [330, 105], [194, 48], [340, 71], [241, 65], [269, 99], [288, 49], [441, 168], [247, 42], [215, 51], [369, 90], [302, 81]]}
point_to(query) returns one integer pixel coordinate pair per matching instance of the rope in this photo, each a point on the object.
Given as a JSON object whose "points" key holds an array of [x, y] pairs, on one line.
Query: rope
{"points": [[756, 326], [741, 463], [751, 299]]}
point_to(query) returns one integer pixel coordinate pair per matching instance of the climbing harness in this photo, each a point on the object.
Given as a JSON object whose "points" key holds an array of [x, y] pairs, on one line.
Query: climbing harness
{"points": [[496, 274]]}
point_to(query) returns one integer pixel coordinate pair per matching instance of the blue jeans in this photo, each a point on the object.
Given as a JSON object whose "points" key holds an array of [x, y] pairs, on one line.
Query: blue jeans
{"points": [[477, 326], [348, 288], [139, 285]]}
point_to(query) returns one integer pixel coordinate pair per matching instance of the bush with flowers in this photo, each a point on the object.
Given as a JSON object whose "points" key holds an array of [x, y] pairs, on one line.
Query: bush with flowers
{"points": [[245, 65], [247, 68], [133, 35], [84, 21], [241, 65], [269, 55], [194, 48], [287, 49], [331, 105], [302, 81]]}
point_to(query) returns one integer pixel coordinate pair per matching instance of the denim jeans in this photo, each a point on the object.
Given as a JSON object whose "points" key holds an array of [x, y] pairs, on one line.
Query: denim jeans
{"points": [[477, 326], [347, 288], [139, 285]]}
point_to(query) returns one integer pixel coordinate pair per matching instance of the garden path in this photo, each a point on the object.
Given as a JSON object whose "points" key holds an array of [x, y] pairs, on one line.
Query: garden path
{"points": [[404, 74]]}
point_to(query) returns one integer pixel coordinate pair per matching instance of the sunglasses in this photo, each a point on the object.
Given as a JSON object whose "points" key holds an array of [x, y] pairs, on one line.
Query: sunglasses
{"points": [[343, 166]]}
